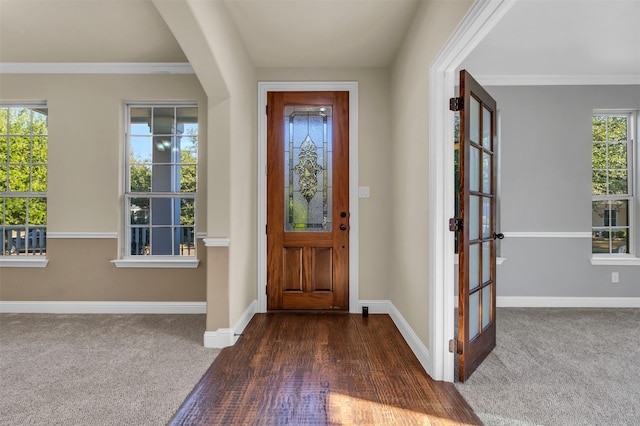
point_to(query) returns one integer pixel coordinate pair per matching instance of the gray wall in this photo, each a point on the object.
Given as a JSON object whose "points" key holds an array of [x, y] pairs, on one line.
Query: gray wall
{"points": [[546, 187]]}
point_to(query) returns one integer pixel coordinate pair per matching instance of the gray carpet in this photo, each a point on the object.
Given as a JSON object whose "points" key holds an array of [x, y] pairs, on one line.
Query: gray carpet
{"points": [[98, 369], [563, 367]]}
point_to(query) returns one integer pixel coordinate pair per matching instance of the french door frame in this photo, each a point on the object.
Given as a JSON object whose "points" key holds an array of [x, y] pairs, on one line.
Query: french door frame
{"points": [[477, 23], [347, 86]]}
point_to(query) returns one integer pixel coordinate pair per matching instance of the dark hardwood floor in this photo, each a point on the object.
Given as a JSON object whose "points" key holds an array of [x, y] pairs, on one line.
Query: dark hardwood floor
{"points": [[321, 369]]}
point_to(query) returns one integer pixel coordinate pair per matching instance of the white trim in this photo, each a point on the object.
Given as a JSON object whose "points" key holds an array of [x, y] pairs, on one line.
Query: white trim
{"points": [[23, 262], [82, 235], [216, 242], [419, 349], [223, 337], [352, 88], [375, 306], [557, 80], [95, 68], [615, 260], [567, 302], [246, 316], [547, 234], [72, 307], [479, 20], [151, 262]]}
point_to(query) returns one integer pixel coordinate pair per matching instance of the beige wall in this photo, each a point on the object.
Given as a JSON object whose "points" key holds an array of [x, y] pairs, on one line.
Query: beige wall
{"points": [[85, 186], [86, 137], [393, 151], [81, 270], [206, 33], [374, 151], [434, 22]]}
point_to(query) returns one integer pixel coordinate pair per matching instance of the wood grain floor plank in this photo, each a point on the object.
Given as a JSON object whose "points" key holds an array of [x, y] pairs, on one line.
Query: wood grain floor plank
{"points": [[321, 369]]}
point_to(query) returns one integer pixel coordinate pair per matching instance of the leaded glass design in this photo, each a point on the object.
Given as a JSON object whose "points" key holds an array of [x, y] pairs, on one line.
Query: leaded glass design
{"points": [[308, 168]]}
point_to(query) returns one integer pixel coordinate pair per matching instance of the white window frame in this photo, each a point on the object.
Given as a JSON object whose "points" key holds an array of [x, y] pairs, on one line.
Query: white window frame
{"points": [[152, 261], [630, 257], [18, 261]]}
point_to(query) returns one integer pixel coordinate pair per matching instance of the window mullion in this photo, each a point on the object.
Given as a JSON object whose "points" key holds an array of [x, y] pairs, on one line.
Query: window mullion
{"points": [[159, 124]]}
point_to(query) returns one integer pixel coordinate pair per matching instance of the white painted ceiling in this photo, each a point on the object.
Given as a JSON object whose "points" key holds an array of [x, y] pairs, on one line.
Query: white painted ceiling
{"points": [[545, 37], [322, 33], [562, 38], [85, 31]]}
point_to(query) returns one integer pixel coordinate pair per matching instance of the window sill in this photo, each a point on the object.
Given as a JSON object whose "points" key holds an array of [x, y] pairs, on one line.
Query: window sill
{"points": [[15, 262], [164, 262], [616, 260]]}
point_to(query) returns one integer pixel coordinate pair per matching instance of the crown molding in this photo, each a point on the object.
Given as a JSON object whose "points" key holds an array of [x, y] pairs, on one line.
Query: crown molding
{"points": [[557, 80], [95, 68]]}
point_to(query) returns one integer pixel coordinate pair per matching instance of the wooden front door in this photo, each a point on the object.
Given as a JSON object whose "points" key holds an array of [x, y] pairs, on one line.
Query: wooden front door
{"points": [[476, 238], [307, 200]]}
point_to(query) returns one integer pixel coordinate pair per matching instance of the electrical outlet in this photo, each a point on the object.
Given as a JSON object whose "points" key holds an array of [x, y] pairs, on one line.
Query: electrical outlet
{"points": [[615, 278]]}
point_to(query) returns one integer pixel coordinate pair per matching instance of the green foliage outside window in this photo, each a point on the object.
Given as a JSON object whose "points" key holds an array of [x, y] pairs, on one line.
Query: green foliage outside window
{"points": [[23, 166], [609, 155], [141, 173], [611, 183]]}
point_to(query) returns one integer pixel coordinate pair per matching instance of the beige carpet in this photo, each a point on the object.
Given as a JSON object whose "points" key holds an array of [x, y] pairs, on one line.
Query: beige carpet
{"points": [[560, 366], [98, 369]]}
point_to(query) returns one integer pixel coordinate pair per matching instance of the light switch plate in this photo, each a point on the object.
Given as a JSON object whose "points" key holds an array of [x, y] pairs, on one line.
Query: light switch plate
{"points": [[363, 192]]}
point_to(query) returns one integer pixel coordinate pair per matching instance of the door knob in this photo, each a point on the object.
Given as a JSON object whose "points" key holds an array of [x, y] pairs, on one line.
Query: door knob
{"points": [[343, 227], [498, 236]]}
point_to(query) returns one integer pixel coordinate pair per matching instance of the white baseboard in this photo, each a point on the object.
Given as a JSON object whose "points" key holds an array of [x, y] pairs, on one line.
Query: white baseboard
{"points": [[386, 307], [375, 306], [246, 316], [419, 349], [223, 337], [567, 302], [97, 307]]}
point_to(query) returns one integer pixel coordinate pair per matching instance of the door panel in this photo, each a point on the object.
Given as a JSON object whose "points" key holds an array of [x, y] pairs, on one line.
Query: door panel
{"points": [[477, 208], [307, 200]]}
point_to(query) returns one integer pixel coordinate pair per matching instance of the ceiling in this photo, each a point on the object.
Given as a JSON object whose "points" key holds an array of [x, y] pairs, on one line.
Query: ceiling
{"points": [[563, 38], [541, 37], [85, 31], [312, 33]]}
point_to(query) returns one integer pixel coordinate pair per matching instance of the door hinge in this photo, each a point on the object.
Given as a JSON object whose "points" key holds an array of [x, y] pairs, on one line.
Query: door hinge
{"points": [[455, 347], [456, 104], [455, 224], [266, 229], [266, 109]]}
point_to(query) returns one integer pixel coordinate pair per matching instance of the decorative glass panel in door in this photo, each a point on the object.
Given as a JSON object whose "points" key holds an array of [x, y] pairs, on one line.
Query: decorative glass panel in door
{"points": [[307, 177]]}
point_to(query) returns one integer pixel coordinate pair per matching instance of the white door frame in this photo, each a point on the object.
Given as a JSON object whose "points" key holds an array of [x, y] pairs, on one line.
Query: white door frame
{"points": [[479, 20], [352, 88]]}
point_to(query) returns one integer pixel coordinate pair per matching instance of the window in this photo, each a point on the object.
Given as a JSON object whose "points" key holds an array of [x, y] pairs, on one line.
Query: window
{"points": [[23, 179], [612, 182], [161, 180]]}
